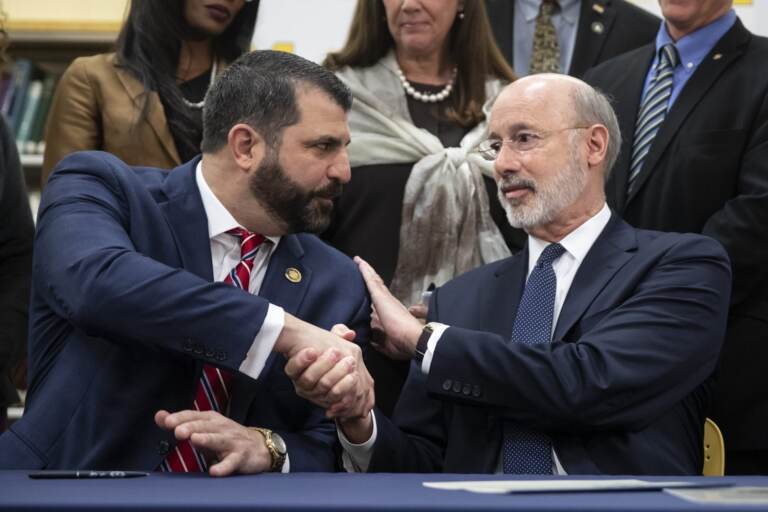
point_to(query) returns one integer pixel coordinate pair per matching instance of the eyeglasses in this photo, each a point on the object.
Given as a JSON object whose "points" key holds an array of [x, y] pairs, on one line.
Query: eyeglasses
{"points": [[521, 141]]}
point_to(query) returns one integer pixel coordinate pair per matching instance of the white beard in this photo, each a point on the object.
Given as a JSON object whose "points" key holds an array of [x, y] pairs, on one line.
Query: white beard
{"points": [[546, 199]]}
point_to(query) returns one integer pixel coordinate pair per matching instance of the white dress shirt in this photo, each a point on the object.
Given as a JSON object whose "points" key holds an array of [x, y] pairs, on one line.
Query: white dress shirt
{"points": [[225, 254], [577, 244]]}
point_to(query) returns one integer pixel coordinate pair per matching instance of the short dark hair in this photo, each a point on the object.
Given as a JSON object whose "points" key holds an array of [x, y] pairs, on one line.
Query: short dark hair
{"points": [[259, 89]]}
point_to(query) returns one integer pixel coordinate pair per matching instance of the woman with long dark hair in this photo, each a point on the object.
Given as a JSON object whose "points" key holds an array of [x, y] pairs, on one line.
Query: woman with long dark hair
{"points": [[143, 103], [421, 207]]}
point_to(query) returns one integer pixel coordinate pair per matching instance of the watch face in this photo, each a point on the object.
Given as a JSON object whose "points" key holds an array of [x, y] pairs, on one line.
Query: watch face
{"points": [[279, 443]]}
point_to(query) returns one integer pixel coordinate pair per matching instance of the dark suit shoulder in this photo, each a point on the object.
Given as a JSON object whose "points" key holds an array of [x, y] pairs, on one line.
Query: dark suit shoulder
{"points": [[326, 258], [614, 67], [480, 276], [639, 17], [688, 244]]}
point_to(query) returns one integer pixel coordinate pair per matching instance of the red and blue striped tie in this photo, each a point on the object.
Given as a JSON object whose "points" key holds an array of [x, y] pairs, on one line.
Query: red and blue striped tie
{"points": [[213, 388]]}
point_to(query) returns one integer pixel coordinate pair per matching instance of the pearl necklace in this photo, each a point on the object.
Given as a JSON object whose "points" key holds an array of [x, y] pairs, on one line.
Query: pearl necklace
{"points": [[423, 96], [200, 103]]}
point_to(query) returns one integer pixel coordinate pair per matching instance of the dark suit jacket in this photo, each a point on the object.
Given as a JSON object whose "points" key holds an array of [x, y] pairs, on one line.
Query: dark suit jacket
{"points": [[124, 314], [16, 232], [707, 172], [622, 388], [624, 27]]}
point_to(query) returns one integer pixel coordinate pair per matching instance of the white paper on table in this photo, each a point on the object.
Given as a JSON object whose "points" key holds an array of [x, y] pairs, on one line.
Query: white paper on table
{"points": [[513, 486], [732, 495]]}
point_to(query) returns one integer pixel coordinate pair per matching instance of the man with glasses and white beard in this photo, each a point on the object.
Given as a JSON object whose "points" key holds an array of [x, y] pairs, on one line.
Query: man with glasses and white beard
{"points": [[589, 352]]}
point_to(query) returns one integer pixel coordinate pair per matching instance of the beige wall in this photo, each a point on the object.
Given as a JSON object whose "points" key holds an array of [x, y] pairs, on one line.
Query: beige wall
{"points": [[69, 15]]}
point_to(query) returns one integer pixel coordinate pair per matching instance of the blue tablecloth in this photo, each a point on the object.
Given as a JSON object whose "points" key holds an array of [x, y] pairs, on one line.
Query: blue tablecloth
{"points": [[318, 492]]}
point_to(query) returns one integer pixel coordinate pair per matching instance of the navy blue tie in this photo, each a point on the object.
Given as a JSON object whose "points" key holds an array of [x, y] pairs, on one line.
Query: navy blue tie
{"points": [[526, 451]]}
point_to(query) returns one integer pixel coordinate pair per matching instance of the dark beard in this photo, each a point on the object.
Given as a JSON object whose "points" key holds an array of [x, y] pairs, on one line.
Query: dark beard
{"points": [[299, 210]]}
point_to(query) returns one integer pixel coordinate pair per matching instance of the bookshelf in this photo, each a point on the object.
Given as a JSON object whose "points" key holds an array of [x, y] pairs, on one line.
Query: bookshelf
{"points": [[48, 48]]}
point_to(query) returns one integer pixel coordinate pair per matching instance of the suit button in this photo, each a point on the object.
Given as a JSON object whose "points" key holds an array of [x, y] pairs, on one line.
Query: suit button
{"points": [[221, 355], [477, 391], [466, 390], [209, 353], [163, 447], [456, 386], [198, 348], [447, 383], [187, 345]]}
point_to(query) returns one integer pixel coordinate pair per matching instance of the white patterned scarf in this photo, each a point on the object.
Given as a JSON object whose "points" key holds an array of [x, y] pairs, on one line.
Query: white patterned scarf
{"points": [[446, 226]]}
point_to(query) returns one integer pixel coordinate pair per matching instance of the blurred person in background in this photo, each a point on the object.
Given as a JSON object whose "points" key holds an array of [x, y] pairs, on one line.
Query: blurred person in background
{"points": [[16, 233], [418, 207], [143, 103]]}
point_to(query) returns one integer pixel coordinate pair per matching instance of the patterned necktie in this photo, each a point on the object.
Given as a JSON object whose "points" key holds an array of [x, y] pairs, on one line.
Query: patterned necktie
{"points": [[212, 392], [652, 111], [545, 57], [527, 451]]}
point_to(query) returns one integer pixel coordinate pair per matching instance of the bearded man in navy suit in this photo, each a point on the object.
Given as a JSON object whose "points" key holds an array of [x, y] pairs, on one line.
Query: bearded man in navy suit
{"points": [[589, 352], [140, 356]]}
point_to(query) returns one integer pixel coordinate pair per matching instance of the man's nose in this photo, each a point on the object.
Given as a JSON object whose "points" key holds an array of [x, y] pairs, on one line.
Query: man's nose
{"points": [[340, 169]]}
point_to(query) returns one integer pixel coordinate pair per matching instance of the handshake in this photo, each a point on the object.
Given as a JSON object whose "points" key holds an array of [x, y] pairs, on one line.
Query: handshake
{"points": [[328, 370]]}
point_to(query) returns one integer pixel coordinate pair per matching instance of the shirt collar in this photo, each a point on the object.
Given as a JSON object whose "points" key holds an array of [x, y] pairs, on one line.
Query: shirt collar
{"points": [[694, 47], [219, 219], [577, 243], [530, 9]]}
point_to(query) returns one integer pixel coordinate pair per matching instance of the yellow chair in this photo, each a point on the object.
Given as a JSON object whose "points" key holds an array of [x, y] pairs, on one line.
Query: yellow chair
{"points": [[714, 450]]}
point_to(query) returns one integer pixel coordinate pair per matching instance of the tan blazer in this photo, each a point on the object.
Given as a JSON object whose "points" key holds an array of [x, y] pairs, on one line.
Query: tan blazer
{"points": [[96, 106]]}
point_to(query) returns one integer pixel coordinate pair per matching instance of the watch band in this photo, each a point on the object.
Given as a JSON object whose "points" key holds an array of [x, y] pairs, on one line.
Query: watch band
{"points": [[421, 345], [278, 458]]}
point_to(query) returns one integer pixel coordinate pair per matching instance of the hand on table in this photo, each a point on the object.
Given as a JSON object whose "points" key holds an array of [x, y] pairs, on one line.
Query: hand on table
{"points": [[237, 449]]}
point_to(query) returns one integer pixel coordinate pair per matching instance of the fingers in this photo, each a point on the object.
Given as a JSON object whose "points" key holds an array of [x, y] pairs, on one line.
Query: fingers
{"points": [[344, 332], [419, 311], [237, 449], [160, 417], [309, 379], [297, 364], [373, 281], [229, 465]]}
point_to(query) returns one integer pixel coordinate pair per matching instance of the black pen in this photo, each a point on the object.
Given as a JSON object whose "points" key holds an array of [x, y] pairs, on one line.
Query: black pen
{"points": [[56, 474]]}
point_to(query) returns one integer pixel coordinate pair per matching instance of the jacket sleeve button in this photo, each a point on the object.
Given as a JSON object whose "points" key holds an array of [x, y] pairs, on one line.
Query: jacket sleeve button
{"points": [[456, 386], [163, 447], [447, 383]]}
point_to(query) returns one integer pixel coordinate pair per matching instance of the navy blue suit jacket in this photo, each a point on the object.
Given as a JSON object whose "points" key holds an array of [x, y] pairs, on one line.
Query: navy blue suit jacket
{"points": [[124, 313], [621, 389]]}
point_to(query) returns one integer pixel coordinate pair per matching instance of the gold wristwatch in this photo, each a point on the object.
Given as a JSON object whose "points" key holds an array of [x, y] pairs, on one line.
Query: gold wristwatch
{"points": [[276, 447]]}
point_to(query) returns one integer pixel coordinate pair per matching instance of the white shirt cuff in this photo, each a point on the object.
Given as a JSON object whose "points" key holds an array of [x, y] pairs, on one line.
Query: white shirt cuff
{"points": [[357, 457], [286, 464], [264, 342], [437, 331]]}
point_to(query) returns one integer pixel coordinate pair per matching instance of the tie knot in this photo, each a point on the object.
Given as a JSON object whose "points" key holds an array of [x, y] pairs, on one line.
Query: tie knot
{"points": [[550, 254], [549, 6], [249, 242], [668, 56]]}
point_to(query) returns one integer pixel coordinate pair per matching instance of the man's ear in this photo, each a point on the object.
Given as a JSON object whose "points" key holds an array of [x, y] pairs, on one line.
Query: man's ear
{"points": [[597, 145], [246, 145]]}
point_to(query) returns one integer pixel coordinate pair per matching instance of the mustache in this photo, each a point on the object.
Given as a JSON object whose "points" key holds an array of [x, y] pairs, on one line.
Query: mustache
{"points": [[331, 191], [506, 183]]}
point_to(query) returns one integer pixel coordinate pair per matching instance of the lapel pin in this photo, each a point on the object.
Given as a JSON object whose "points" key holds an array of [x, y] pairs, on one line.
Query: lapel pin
{"points": [[599, 9], [293, 275], [717, 56], [597, 27]]}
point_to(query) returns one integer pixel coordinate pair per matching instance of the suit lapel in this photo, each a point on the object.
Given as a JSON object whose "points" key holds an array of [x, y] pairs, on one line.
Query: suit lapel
{"points": [[595, 23], [608, 254], [278, 290], [510, 279], [631, 91], [155, 112], [186, 215], [730, 48]]}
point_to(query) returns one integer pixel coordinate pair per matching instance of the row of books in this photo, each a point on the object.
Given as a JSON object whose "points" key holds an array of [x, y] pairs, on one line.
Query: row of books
{"points": [[26, 93]]}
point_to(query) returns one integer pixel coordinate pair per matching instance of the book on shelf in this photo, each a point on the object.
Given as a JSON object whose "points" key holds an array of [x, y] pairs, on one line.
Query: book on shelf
{"points": [[26, 94]]}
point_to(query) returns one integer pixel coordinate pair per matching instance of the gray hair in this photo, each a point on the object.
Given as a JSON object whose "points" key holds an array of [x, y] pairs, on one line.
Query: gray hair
{"points": [[591, 106]]}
